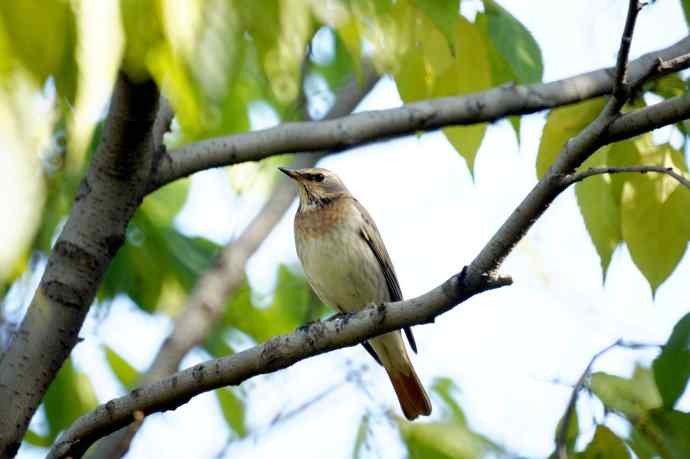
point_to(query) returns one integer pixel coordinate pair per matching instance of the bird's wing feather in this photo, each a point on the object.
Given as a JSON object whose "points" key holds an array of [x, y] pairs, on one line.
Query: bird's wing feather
{"points": [[371, 235]]}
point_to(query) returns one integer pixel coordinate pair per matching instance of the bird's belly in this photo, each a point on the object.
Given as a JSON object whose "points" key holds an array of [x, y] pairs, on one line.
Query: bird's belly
{"points": [[342, 270]]}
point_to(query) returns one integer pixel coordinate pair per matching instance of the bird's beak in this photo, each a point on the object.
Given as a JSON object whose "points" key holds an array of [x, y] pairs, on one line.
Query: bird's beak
{"points": [[292, 173]]}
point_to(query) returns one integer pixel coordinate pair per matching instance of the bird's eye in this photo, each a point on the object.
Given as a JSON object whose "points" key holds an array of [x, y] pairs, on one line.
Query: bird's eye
{"points": [[317, 177]]}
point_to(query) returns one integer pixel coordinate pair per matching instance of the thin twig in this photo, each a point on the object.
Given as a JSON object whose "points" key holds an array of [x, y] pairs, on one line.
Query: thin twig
{"points": [[579, 176], [562, 435], [620, 86]]}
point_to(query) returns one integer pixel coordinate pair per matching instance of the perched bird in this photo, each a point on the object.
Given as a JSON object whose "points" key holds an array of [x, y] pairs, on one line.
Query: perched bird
{"points": [[348, 267]]}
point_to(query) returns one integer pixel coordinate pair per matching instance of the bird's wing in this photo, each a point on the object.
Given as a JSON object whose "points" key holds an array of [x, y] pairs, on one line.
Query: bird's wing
{"points": [[373, 239]]}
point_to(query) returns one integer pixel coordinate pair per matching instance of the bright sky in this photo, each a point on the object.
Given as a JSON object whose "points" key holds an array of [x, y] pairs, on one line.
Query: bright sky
{"points": [[505, 349]]}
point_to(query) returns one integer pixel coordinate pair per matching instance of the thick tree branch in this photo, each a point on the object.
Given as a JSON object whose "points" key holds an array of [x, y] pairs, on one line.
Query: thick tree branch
{"points": [[108, 196], [427, 115], [577, 177], [279, 352], [207, 301], [319, 337]]}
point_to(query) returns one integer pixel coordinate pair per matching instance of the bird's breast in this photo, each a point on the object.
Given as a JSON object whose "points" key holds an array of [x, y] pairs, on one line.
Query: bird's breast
{"points": [[337, 262]]}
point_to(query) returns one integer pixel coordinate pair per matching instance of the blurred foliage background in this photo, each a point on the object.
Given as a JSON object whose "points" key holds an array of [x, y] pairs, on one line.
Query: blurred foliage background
{"points": [[220, 61]]}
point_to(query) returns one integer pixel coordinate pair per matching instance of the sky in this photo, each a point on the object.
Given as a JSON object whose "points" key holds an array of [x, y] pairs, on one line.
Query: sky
{"points": [[514, 352]]}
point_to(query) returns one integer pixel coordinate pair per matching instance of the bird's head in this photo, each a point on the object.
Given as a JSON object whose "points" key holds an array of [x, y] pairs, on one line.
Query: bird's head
{"points": [[317, 187]]}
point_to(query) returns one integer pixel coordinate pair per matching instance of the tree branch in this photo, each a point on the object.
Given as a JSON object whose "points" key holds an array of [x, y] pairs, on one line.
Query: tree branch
{"points": [[108, 196], [278, 352], [577, 177], [207, 301], [620, 84], [366, 127]]}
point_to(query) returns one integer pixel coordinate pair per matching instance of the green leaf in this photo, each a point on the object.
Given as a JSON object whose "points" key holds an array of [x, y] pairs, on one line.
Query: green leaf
{"points": [[143, 31], [632, 397], [233, 409], [361, 438], [600, 211], [442, 440], [671, 431], [42, 36], [654, 216], [515, 43], [425, 54], [561, 125], [125, 373], [470, 73], [163, 205], [293, 304], [672, 366], [605, 445], [35, 439], [443, 13], [446, 388], [68, 397]]}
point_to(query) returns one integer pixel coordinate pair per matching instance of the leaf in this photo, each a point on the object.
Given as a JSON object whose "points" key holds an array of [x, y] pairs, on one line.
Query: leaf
{"points": [[561, 125], [654, 216], [293, 304], [605, 445], [443, 14], [143, 31], [600, 210], [425, 54], [359, 448], [42, 36], [233, 409], [35, 439], [125, 373], [632, 397], [68, 397], [515, 43], [672, 431], [163, 205], [672, 366], [445, 388], [470, 73]]}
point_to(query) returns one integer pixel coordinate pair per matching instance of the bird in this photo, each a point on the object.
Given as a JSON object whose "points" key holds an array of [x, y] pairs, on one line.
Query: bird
{"points": [[348, 267]]}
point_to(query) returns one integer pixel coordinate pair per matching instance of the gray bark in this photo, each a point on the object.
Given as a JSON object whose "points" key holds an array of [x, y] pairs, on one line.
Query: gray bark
{"points": [[108, 196]]}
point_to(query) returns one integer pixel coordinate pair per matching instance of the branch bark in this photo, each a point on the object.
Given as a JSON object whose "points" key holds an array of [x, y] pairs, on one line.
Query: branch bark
{"points": [[108, 196], [574, 178], [427, 115], [319, 337], [207, 301]]}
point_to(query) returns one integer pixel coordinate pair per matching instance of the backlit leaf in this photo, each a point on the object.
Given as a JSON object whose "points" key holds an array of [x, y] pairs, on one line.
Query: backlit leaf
{"points": [[515, 43], [233, 410], [605, 445], [561, 125], [632, 397], [655, 216], [471, 72], [125, 373], [600, 210]]}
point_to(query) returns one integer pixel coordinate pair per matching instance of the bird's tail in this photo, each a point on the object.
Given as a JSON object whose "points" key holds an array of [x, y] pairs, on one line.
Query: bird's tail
{"points": [[411, 394]]}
